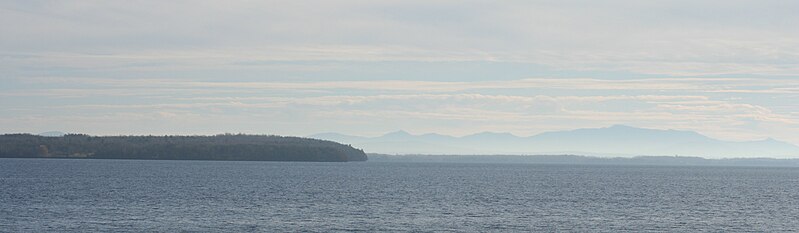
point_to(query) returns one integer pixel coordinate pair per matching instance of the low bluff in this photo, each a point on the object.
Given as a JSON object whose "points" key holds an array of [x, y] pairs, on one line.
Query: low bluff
{"points": [[219, 147]]}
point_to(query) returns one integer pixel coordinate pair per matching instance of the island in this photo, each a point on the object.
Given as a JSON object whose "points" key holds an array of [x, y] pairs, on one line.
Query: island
{"points": [[239, 147]]}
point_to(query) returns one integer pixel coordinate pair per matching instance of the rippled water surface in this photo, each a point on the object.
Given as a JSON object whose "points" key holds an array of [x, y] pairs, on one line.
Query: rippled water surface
{"points": [[59, 195]]}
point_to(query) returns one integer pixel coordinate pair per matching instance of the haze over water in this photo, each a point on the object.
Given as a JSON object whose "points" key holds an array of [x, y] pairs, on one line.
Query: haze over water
{"points": [[676, 79], [127, 195]]}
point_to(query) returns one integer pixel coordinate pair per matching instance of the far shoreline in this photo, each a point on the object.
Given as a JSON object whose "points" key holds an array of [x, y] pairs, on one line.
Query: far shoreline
{"points": [[589, 160], [487, 160]]}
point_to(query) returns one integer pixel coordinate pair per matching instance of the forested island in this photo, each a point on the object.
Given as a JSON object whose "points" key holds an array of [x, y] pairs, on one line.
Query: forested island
{"points": [[218, 147]]}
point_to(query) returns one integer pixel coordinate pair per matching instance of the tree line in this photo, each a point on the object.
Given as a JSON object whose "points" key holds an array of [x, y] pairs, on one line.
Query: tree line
{"points": [[217, 147]]}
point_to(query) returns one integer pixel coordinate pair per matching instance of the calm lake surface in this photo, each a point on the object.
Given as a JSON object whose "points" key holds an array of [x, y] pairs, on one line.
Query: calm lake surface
{"points": [[58, 195]]}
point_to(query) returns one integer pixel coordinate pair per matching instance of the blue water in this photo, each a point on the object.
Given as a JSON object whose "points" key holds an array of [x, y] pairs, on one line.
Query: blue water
{"points": [[63, 195]]}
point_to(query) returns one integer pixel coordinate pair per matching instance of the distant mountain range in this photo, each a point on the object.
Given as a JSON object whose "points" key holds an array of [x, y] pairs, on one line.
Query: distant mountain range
{"points": [[616, 141], [587, 160]]}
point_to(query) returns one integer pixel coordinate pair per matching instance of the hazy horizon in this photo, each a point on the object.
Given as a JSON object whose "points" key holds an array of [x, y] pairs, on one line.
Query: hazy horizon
{"points": [[477, 116], [611, 141], [725, 69]]}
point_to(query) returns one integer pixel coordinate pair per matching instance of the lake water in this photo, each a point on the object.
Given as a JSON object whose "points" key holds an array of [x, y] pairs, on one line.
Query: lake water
{"points": [[62, 195]]}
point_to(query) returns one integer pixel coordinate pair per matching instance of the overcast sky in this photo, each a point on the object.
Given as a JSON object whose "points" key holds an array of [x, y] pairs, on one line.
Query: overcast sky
{"points": [[727, 69]]}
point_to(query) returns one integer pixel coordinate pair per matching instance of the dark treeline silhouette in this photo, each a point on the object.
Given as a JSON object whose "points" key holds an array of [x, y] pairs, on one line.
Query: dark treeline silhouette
{"points": [[218, 147]]}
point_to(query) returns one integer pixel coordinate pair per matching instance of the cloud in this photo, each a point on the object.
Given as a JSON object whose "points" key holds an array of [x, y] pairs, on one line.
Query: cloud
{"points": [[698, 85], [726, 68], [463, 106], [673, 38]]}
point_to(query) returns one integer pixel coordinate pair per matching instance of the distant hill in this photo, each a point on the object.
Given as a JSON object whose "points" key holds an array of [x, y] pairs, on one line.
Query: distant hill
{"points": [[219, 147], [617, 140]]}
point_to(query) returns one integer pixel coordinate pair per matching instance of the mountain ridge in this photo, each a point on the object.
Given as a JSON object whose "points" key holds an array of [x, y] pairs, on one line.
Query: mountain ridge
{"points": [[615, 140]]}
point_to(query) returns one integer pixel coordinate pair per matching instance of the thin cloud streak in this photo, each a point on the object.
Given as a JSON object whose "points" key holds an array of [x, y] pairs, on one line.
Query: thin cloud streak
{"points": [[744, 85]]}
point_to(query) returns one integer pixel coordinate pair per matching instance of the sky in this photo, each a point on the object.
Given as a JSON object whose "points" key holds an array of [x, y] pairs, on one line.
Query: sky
{"points": [[728, 69]]}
